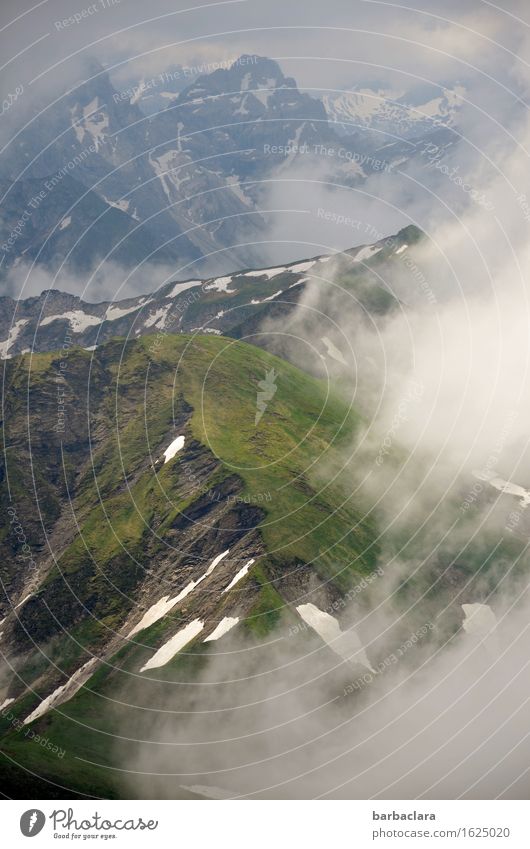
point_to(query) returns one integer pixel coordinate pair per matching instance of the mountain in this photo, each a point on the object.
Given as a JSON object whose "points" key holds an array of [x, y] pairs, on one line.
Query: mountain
{"points": [[232, 305], [190, 553], [148, 497], [187, 181], [73, 227], [152, 94], [160, 170]]}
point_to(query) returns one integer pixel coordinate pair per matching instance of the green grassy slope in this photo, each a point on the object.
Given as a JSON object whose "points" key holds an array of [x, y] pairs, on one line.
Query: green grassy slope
{"points": [[124, 404]]}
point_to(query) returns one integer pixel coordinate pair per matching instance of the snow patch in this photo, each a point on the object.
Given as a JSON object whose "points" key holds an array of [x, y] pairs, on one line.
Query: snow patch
{"points": [[187, 590], [333, 351], [270, 298], [367, 253], [158, 317], [122, 204], [235, 186], [299, 282], [62, 694], [225, 625], [78, 320], [301, 267], [94, 122], [172, 449], [118, 312], [221, 284], [24, 600], [215, 562], [167, 167], [192, 584], [181, 287], [505, 486], [480, 619], [156, 612], [166, 652], [241, 574], [344, 643], [14, 332], [481, 623], [269, 273]]}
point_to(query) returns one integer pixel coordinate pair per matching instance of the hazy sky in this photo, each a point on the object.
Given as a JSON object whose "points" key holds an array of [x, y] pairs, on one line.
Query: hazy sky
{"points": [[332, 44]]}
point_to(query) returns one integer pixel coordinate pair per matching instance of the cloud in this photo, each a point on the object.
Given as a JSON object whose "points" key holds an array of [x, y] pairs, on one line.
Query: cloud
{"points": [[108, 282]]}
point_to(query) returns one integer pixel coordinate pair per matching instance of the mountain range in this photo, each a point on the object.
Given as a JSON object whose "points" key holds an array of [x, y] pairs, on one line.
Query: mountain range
{"points": [[184, 509], [232, 304], [91, 177]]}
